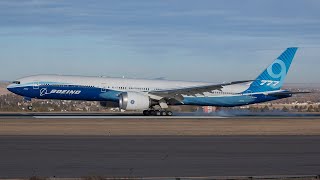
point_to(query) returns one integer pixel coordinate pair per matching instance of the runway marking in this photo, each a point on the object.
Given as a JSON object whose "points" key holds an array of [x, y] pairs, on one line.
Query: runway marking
{"points": [[128, 117]]}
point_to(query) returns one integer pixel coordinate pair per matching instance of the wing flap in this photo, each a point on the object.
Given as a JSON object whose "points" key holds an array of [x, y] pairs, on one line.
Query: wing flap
{"points": [[193, 90]]}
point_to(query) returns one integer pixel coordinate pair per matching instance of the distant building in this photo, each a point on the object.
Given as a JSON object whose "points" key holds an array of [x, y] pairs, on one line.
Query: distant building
{"points": [[209, 109]]}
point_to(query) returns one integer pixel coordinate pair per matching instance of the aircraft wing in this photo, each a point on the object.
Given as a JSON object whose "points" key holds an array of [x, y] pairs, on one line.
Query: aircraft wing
{"points": [[191, 91]]}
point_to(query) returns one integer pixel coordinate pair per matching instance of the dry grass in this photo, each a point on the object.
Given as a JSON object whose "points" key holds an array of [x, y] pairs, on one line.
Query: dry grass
{"points": [[180, 127], [3, 89], [37, 178]]}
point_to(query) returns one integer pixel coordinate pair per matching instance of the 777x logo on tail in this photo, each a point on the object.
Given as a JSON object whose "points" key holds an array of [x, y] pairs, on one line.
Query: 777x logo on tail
{"points": [[269, 83], [273, 76]]}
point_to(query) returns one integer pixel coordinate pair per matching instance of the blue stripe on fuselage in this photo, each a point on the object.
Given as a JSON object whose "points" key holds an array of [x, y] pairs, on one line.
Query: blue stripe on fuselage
{"points": [[66, 92]]}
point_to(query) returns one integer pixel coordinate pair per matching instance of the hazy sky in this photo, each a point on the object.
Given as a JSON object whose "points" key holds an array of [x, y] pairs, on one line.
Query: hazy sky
{"points": [[194, 40]]}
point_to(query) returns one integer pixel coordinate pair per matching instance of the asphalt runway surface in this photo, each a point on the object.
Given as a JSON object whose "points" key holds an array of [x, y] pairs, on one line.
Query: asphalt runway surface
{"points": [[114, 115], [130, 145], [158, 156], [177, 115]]}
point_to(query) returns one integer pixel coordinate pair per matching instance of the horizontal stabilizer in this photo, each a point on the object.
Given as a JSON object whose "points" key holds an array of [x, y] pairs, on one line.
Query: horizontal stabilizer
{"points": [[284, 93]]}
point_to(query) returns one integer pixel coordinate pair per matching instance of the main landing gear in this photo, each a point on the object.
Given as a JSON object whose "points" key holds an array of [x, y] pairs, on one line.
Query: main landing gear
{"points": [[157, 113]]}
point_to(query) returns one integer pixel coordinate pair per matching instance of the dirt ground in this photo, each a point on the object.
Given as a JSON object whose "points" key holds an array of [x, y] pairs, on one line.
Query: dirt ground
{"points": [[3, 89], [182, 127]]}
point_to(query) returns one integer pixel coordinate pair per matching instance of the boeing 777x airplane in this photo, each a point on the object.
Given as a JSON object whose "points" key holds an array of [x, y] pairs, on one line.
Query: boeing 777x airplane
{"points": [[154, 96]]}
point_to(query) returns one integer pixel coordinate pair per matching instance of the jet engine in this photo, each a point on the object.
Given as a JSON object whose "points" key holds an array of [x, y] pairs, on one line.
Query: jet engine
{"points": [[134, 101]]}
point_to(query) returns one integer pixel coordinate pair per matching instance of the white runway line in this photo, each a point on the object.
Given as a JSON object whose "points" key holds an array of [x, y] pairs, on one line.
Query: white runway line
{"points": [[128, 117]]}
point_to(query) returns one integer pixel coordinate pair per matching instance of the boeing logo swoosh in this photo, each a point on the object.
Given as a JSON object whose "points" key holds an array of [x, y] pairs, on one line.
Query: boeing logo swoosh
{"points": [[43, 91]]}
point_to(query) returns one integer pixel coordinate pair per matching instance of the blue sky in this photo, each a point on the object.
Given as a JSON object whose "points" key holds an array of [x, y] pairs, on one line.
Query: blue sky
{"points": [[205, 40]]}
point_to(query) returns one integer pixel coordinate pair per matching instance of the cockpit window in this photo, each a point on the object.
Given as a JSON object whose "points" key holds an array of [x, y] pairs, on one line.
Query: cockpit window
{"points": [[16, 82]]}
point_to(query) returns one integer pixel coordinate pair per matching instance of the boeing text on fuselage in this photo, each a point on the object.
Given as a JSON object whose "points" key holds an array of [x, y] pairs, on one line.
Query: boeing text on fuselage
{"points": [[44, 91]]}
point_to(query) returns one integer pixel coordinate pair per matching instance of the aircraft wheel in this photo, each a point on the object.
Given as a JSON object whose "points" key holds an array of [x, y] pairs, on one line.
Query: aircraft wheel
{"points": [[158, 113], [169, 113], [30, 108], [163, 113], [146, 113], [153, 113]]}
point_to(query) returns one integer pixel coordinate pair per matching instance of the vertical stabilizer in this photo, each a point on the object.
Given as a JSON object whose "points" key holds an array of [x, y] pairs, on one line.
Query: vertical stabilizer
{"points": [[272, 78]]}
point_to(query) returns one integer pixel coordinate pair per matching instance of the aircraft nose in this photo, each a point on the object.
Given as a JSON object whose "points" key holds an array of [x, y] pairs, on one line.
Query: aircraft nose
{"points": [[11, 88]]}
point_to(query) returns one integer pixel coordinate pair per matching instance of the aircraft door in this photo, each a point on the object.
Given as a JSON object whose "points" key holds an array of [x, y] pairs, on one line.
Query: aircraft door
{"points": [[36, 85], [103, 87]]}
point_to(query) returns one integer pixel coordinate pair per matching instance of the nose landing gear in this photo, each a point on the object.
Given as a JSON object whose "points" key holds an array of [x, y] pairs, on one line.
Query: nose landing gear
{"points": [[29, 102], [30, 108]]}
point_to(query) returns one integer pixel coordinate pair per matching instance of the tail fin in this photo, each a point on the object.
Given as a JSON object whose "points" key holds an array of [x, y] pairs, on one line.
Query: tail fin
{"points": [[272, 78]]}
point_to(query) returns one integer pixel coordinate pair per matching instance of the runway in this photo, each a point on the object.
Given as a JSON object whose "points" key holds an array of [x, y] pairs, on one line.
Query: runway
{"points": [[177, 115], [72, 145], [158, 156], [114, 115]]}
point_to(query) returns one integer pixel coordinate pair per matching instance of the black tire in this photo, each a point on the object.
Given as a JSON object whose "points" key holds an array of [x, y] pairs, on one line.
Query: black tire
{"points": [[163, 113], [153, 113], [169, 113], [146, 113], [158, 113]]}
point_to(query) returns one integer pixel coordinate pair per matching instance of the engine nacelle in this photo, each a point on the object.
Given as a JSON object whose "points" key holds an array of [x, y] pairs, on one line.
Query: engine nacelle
{"points": [[134, 101]]}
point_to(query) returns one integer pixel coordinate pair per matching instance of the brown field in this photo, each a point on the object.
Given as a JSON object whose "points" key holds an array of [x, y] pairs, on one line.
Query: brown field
{"points": [[180, 127], [3, 89]]}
